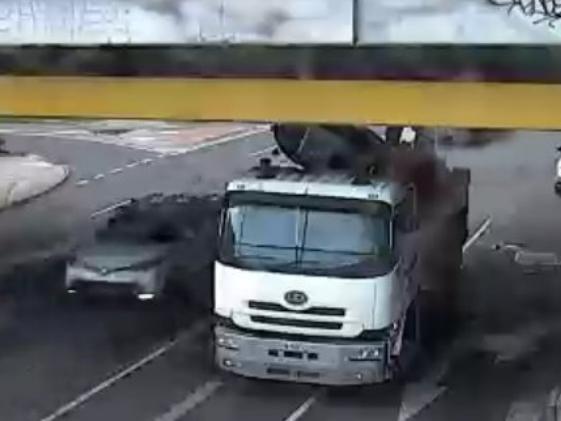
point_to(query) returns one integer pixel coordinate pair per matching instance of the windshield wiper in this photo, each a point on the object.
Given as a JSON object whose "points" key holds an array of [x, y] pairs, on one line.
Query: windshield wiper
{"points": [[267, 246], [381, 252]]}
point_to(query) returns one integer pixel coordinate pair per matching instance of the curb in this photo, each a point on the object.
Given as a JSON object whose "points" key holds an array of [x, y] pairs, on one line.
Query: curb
{"points": [[20, 202]]}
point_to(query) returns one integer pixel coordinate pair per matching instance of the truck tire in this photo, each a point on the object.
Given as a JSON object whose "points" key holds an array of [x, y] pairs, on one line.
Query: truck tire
{"points": [[409, 363], [447, 298]]}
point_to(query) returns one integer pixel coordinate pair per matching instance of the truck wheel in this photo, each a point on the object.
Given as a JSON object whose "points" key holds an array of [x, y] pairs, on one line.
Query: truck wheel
{"points": [[408, 363]]}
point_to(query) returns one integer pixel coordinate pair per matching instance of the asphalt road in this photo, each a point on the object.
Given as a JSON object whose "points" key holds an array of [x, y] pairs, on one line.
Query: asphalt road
{"points": [[59, 353]]}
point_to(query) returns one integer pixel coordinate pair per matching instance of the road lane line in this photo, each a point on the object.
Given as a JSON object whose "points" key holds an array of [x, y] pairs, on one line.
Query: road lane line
{"points": [[68, 132], [524, 411], [146, 161], [99, 176], [201, 394], [132, 165], [222, 140], [81, 183], [305, 407], [477, 234], [109, 208], [70, 406], [551, 412], [116, 170], [263, 151], [65, 409], [418, 395]]}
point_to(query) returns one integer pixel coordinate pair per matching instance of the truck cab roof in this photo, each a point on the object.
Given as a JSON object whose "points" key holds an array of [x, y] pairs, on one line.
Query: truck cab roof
{"points": [[327, 184]]}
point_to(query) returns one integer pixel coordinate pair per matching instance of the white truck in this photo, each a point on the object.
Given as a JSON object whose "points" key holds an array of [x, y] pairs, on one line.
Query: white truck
{"points": [[321, 273]]}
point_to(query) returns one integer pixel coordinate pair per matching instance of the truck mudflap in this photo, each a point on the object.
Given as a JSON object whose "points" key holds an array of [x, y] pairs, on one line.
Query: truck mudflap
{"points": [[341, 363]]}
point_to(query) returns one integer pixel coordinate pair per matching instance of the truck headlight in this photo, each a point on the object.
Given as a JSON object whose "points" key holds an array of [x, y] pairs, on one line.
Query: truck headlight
{"points": [[367, 354], [226, 342]]}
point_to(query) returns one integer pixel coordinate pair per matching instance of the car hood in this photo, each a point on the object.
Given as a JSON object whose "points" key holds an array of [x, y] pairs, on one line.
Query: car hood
{"points": [[119, 256]]}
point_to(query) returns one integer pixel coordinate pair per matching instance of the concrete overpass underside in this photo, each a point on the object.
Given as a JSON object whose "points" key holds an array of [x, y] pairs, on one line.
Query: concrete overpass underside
{"points": [[433, 85]]}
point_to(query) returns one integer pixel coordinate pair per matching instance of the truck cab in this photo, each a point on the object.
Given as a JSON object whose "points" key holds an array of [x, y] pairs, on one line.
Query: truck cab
{"points": [[313, 279]]}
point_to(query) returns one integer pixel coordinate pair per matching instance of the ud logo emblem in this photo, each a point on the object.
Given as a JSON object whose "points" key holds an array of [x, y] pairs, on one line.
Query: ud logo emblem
{"points": [[296, 298]]}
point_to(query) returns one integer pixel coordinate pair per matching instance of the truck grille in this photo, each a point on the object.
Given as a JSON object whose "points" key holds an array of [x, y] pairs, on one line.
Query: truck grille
{"points": [[314, 324], [316, 311]]}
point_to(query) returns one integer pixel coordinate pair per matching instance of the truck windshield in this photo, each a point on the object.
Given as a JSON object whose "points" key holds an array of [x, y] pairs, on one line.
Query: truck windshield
{"points": [[317, 240]]}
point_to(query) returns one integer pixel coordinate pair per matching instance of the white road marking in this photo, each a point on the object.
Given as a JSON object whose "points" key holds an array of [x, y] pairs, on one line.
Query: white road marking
{"points": [[67, 408], [146, 161], [477, 234], [263, 151], [552, 411], [69, 132], [524, 411], [302, 409], [418, 395], [109, 208], [222, 140], [200, 395]]}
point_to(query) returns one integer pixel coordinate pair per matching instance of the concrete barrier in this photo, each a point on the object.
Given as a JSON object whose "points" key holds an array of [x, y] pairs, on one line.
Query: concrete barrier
{"points": [[23, 177]]}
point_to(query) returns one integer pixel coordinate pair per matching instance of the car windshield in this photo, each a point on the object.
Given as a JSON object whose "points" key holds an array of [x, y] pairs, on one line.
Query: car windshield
{"points": [[289, 238]]}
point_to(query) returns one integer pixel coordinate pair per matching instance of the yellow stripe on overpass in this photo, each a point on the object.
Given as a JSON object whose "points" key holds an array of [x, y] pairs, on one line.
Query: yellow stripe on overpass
{"points": [[454, 104]]}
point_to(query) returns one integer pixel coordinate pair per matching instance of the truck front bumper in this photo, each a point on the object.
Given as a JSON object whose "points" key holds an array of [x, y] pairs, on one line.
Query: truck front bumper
{"points": [[328, 363]]}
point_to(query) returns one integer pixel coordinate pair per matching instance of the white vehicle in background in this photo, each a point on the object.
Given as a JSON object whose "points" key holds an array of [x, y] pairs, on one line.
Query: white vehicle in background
{"points": [[557, 184], [139, 270], [322, 273]]}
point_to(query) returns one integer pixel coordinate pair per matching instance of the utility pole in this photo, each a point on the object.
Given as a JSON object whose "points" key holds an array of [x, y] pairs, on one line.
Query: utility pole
{"points": [[356, 21]]}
